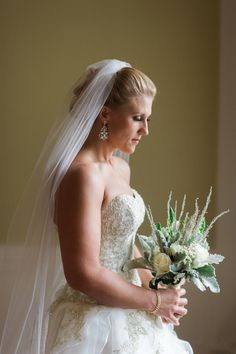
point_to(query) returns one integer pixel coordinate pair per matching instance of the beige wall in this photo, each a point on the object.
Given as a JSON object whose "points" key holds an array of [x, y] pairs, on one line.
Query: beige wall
{"points": [[214, 321], [46, 45], [226, 176]]}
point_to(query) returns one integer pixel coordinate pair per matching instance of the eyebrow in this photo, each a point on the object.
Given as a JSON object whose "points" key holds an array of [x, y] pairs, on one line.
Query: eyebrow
{"points": [[143, 115]]}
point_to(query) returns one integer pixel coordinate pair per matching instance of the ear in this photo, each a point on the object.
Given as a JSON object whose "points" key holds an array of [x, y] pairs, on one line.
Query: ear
{"points": [[104, 114]]}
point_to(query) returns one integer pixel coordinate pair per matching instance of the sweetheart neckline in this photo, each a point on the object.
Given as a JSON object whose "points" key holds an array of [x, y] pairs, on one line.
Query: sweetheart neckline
{"points": [[133, 196]]}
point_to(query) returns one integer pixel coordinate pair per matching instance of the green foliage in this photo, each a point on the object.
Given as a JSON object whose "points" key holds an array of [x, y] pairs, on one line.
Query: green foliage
{"points": [[206, 271], [171, 216], [184, 241], [202, 228]]}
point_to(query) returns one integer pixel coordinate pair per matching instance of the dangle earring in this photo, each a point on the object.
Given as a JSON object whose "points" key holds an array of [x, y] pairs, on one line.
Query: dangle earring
{"points": [[103, 135]]}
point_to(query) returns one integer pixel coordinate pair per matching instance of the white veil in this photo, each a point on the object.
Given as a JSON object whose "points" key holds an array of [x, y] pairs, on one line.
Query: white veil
{"points": [[32, 233]]}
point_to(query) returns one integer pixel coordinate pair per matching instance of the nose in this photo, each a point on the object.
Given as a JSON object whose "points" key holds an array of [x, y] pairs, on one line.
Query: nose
{"points": [[144, 128]]}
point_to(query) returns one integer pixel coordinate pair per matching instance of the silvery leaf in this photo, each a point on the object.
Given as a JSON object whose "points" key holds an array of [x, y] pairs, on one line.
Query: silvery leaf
{"points": [[151, 243], [211, 282], [190, 240], [215, 258], [180, 276], [175, 237], [144, 244], [162, 239], [204, 244], [174, 268], [198, 283], [136, 263]]}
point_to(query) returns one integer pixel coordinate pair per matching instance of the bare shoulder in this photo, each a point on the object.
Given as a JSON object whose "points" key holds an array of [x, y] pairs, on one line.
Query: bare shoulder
{"points": [[82, 182], [123, 167]]}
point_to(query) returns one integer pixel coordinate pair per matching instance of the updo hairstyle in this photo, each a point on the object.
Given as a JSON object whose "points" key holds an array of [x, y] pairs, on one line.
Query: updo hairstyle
{"points": [[129, 82]]}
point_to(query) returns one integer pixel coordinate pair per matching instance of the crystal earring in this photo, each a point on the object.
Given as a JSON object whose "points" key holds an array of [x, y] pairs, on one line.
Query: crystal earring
{"points": [[103, 135]]}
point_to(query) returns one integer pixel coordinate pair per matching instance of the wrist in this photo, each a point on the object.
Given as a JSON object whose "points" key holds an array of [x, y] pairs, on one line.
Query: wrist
{"points": [[155, 303], [151, 300]]}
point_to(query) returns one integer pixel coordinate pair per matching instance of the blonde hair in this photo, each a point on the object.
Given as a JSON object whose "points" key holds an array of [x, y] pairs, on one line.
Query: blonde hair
{"points": [[129, 82]]}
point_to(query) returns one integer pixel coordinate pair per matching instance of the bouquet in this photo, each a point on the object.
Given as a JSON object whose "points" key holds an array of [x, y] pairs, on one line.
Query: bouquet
{"points": [[179, 251]]}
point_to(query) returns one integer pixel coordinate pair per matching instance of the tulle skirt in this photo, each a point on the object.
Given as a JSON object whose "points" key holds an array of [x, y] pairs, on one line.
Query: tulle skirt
{"points": [[87, 328]]}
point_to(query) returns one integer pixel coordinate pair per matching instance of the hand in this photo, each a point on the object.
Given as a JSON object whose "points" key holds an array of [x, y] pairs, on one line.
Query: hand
{"points": [[172, 305]]}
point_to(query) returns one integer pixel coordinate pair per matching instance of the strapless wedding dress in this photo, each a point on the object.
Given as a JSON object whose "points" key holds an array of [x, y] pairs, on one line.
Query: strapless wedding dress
{"points": [[78, 325]]}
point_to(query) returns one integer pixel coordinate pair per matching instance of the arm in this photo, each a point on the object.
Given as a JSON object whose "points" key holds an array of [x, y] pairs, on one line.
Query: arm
{"points": [[79, 223]]}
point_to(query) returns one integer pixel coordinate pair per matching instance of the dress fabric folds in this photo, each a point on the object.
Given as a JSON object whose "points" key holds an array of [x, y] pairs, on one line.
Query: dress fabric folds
{"points": [[78, 325]]}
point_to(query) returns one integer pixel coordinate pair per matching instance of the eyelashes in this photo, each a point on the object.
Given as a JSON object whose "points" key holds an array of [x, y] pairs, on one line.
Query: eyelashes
{"points": [[137, 118], [140, 118]]}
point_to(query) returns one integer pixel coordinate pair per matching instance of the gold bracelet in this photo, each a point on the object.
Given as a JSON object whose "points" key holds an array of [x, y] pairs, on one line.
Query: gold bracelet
{"points": [[158, 304]]}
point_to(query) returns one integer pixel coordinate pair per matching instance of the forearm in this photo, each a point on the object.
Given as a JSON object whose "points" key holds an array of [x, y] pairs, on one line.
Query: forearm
{"points": [[109, 289]]}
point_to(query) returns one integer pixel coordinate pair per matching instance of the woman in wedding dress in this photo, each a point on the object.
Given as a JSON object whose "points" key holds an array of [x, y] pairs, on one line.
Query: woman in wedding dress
{"points": [[98, 308]]}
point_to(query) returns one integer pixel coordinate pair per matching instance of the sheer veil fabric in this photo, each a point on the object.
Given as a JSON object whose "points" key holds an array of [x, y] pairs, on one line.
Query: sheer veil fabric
{"points": [[39, 272]]}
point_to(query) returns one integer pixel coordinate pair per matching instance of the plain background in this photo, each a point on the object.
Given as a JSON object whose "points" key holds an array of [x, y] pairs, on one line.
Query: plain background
{"points": [[188, 48]]}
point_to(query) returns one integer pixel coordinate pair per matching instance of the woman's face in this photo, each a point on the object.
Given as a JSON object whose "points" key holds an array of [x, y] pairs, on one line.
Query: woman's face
{"points": [[128, 123]]}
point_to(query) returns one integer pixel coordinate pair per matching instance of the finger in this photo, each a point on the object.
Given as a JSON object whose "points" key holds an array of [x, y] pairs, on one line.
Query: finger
{"points": [[181, 311], [174, 320], [182, 301], [177, 315], [166, 320], [182, 292]]}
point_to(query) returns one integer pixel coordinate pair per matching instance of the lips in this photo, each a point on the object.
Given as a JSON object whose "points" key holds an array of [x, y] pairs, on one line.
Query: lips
{"points": [[136, 141]]}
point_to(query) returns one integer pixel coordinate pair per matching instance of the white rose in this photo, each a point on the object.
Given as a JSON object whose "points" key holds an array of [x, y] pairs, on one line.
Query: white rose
{"points": [[161, 263], [200, 256]]}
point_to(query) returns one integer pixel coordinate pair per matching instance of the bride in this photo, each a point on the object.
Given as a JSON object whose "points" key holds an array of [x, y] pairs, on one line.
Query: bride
{"points": [[79, 300]]}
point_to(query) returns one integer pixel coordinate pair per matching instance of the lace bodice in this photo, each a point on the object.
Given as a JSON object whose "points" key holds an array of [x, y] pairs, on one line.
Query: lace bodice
{"points": [[120, 220]]}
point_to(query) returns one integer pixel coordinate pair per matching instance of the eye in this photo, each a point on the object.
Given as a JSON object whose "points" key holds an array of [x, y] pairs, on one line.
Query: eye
{"points": [[137, 118]]}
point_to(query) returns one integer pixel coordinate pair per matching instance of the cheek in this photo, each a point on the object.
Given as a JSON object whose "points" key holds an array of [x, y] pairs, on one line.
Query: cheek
{"points": [[122, 127]]}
